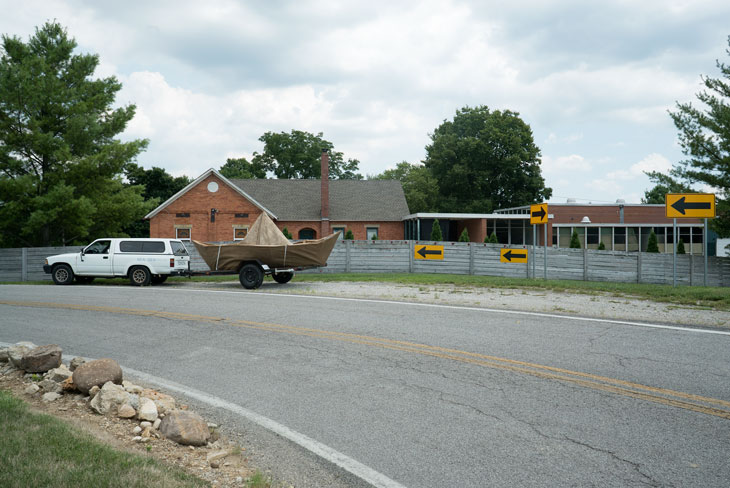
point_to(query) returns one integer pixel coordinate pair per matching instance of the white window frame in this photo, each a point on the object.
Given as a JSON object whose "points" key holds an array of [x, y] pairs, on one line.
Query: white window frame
{"points": [[188, 228], [368, 234], [342, 228], [237, 227]]}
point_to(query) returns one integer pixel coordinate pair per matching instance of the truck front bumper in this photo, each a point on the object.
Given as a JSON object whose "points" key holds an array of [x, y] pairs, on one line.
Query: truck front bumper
{"points": [[47, 268]]}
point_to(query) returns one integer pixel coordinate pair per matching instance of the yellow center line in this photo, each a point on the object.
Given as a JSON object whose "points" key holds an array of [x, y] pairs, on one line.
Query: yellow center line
{"points": [[688, 401]]}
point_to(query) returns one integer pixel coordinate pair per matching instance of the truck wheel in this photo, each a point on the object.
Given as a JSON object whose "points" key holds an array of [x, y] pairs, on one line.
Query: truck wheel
{"points": [[251, 276], [283, 277], [140, 276], [84, 280], [62, 274], [157, 279]]}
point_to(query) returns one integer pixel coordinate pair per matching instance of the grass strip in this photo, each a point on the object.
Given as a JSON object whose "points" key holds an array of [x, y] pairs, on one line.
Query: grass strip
{"points": [[40, 450]]}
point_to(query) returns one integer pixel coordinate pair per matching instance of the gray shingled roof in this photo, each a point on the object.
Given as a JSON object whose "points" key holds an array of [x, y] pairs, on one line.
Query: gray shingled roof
{"points": [[349, 199]]}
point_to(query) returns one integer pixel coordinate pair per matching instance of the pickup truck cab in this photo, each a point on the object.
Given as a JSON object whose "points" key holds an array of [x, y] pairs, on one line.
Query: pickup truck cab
{"points": [[143, 261]]}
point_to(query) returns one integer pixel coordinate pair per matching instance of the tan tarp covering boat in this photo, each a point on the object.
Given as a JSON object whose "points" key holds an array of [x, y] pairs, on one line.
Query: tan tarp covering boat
{"points": [[266, 243]]}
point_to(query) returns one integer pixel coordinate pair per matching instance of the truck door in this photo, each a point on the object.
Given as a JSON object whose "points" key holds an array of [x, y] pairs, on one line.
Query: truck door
{"points": [[96, 259]]}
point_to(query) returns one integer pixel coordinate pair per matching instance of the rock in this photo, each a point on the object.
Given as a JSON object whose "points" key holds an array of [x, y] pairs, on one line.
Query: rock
{"points": [[50, 386], [147, 432], [8, 368], [60, 374], [32, 389], [4, 355], [51, 397], [109, 399], [75, 363], [97, 372], [215, 464], [147, 410], [165, 403], [156, 425], [93, 391], [68, 384], [41, 359], [17, 351], [137, 439], [185, 427], [217, 455], [131, 387], [126, 411], [137, 430], [133, 400]]}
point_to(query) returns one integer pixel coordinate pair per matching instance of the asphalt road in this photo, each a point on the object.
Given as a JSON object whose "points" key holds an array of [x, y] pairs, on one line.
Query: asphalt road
{"points": [[426, 396]]}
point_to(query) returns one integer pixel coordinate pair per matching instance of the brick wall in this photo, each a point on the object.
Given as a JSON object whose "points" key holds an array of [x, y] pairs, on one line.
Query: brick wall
{"points": [[611, 214]]}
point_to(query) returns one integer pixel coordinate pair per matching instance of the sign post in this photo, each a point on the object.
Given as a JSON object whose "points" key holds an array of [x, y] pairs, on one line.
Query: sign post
{"points": [[689, 206], [539, 215]]}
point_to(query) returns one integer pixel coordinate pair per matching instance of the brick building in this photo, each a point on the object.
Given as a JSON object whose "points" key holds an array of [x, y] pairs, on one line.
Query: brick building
{"points": [[213, 208]]}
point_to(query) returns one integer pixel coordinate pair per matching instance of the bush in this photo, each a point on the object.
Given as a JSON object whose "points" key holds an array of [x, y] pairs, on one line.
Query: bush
{"points": [[492, 239], [601, 246], [375, 237], [286, 233], [464, 237], [575, 240], [652, 245], [349, 235], [680, 247], [436, 234]]}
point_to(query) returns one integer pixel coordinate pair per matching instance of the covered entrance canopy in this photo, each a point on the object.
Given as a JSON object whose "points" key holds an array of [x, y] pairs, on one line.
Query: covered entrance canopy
{"points": [[509, 228]]}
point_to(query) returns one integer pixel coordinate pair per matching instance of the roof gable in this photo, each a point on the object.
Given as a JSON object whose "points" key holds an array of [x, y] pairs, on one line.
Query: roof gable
{"points": [[197, 181]]}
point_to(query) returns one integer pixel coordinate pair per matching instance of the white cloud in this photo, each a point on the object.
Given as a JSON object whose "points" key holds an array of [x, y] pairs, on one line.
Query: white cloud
{"points": [[652, 162], [574, 162]]}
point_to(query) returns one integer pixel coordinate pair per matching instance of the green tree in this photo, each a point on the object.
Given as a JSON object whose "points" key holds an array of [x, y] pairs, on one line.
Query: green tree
{"points": [[704, 135], [484, 160], [680, 247], [464, 237], [286, 233], [575, 240], [240, 168], [601, 246], [436, 234], [349, 236], [298, 155], [663, 184], [652, 245], [60, 164], [419, 186], [492, 239]]}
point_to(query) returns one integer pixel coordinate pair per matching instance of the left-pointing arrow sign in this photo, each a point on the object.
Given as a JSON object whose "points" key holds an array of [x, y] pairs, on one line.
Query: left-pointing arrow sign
{"points": [[513, 256], [424, 252], [429, 252]]}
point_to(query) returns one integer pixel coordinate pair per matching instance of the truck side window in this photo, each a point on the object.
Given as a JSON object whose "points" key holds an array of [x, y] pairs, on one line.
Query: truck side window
{"points": [[99, 247], [178, 249]]}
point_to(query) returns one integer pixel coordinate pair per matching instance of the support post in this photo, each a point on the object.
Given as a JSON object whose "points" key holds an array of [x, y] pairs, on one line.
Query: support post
{"points": [[471, 258], [545, 257], [348, 245], [674, 252], [24, 264], [704, 249], [638, 266], [534, 250], [585, 263]]}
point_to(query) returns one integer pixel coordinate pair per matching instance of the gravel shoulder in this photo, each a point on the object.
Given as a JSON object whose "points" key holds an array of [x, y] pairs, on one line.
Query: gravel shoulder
{"points": [[594, 305]]}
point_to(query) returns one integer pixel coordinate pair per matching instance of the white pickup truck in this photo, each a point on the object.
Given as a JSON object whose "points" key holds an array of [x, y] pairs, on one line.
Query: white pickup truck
{"points": [[143, 261]]}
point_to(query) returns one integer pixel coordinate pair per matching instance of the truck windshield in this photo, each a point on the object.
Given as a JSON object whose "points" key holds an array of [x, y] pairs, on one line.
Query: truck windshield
{"points": [[178, 249]]}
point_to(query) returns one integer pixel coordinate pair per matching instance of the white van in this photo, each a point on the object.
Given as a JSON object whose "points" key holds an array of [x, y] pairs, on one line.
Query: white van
{"points": [[143, 261]]}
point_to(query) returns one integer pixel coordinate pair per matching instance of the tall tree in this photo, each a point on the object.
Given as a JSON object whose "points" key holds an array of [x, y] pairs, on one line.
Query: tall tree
{"points": [[60, 164], [240, 168], [484, 160], [663, 184], [704, 134], [297, 155], [420, 187]]}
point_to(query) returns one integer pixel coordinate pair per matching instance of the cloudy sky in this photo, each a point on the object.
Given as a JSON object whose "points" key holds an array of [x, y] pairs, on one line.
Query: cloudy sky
{"points": [[593, 79]]}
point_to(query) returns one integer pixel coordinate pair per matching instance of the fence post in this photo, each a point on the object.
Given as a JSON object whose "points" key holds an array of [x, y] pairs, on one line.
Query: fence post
{"points": [[471, 258], [691, 270], [585, 264], [638, 267], [411, 245], [348, 245], [24, 264]]}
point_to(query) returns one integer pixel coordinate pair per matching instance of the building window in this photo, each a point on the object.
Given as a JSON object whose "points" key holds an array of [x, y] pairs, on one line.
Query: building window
{"points": [[241, 215], [593, 237], [371, 232], [619, 238], [607, 238], [341, 230], [239, 232], [307, 234], [563, 237], [182, 214], [183, 233]]}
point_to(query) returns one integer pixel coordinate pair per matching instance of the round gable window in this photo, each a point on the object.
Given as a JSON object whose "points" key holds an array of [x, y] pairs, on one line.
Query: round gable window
{"points": [[212, 187]]}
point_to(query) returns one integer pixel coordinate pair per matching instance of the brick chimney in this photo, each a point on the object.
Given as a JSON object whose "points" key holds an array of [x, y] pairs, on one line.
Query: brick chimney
{"points": [[325, 195]]}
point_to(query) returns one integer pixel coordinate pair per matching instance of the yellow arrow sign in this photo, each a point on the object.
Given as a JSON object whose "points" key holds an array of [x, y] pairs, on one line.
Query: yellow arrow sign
{"points": [[690, 205], [428, 252], [539, 213], [512, 255]]}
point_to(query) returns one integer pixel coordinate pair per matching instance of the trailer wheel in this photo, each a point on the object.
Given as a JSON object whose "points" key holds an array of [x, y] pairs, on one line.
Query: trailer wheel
{"points": [[251, 276], [62, 274], [140, 276], [283, 277]]}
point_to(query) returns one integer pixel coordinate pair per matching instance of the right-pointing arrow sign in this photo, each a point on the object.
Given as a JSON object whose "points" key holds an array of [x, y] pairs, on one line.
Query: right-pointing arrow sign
{"points": [[539, 213], [690, 205]]}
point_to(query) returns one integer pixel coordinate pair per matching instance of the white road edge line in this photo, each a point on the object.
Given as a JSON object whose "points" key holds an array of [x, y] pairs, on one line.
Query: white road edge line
{"points": [[475, 309], [343, 461]]}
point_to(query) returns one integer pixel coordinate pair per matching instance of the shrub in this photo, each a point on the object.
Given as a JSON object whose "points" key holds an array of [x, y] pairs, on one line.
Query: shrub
{"points": [[652, 245], [575, 240], [375, 237], [601, 246], [349, 235], [464, 237], [286, 233], [492, 239], [436, 234], [680, 247]]}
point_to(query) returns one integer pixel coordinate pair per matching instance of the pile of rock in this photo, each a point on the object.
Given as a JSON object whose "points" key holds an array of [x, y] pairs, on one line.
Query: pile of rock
{"points": [[102, 383]]}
